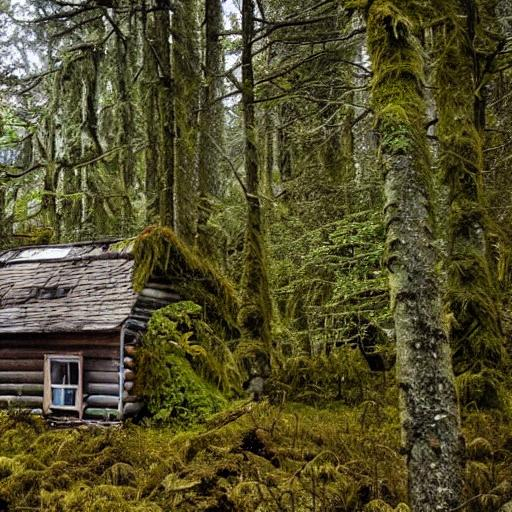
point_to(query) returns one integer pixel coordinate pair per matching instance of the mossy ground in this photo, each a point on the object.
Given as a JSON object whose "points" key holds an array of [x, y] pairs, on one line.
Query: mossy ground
{"points": [[250, 457]]}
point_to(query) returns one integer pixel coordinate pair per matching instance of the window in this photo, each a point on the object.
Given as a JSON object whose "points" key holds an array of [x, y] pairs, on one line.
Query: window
{"points": [[63, 383]]}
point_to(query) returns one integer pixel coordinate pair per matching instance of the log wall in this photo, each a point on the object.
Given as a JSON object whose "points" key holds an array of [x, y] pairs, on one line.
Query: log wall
{"points": [[22, 377]]}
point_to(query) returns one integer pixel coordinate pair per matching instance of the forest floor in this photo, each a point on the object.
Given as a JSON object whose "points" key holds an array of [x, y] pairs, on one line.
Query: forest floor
{"points": [[251, 457]]}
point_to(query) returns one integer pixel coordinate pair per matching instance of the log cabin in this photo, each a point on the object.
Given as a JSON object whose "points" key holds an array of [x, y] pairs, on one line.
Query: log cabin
{"points": [[72, 316]]}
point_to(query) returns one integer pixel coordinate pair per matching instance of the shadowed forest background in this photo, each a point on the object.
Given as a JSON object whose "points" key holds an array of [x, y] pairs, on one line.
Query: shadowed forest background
{"points": [[307, 151]]}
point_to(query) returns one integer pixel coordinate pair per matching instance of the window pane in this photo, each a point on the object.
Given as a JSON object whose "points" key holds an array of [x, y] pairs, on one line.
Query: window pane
{"points": [[64, 372], [63, 397]]}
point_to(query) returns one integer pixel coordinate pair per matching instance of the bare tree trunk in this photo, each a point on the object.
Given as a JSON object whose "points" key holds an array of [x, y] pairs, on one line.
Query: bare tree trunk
{"points": [[429, 414]]}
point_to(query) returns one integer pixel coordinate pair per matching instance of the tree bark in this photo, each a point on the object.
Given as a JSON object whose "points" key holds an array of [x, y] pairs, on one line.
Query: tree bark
{"points": [[429, 415], [124, 135], [158, 107], [186, 63], [255, 312]]}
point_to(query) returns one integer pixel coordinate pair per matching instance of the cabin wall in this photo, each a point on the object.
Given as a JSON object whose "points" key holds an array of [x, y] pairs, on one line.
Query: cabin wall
{"points": [[22, 376]]}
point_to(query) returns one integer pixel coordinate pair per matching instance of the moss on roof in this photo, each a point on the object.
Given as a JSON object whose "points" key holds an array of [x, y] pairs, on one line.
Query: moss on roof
{"points": [[159, 252]]}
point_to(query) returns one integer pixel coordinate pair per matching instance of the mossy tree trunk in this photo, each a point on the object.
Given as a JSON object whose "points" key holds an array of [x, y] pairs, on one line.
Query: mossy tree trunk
{"points": [[124, 124], [158, 107], [148, 98], [472, 296], [284, 144], [186, 63], [429, 415], [4, 228], [98, 184], [255, 312], [69, 114], [51, 177], [211, 120]]}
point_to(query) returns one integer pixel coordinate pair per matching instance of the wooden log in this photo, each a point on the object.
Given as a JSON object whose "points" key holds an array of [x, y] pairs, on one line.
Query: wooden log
{"points": [[94, 388], [131, 409], [102, 401], [131, 336], [130, 350], [146, 302], [141, 318], [128, 386], [36, 353], [98, 413], [102, 377], [159, 294], [101, 365], [161, 284], [127, 398], [21, 364], [129, 374], [143, 314], [22, 377], [59, 340], [21, 389], [21, 401], [129, 362], [101, 353]]}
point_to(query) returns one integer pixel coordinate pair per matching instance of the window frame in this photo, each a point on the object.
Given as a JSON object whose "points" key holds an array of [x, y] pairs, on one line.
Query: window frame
{"points": [[48, 405]]}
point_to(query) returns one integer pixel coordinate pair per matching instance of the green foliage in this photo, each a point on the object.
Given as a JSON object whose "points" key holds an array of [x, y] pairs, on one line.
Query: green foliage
{"points": [[472, 297], [247, 458], [341, 375], [333, 278], [173, 391]]}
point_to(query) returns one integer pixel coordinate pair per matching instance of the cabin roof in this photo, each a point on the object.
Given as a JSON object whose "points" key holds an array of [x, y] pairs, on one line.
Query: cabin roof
{"points": [[65, 288]]}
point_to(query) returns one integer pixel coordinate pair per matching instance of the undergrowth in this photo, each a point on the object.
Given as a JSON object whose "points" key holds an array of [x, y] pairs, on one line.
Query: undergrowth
{"points": [[248, 458], [251, 457]]}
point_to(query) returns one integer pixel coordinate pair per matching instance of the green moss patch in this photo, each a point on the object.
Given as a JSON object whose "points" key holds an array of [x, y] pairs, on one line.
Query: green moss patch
{"points": [[180, 362]]}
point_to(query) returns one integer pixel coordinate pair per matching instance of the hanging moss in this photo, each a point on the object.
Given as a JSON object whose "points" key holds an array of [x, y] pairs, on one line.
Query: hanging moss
{"points": [[158, 251], [472, 296]]}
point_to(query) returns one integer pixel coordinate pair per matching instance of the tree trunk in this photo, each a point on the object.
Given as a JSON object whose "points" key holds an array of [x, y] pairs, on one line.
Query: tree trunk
{"points": [[211, 120], [124, 122], [429, 415], [158, 108], [186, 62], [255, 312], [149, 100]]}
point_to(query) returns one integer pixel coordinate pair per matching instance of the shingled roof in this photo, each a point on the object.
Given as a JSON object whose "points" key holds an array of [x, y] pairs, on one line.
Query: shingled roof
{"points": [[65, 288]]}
